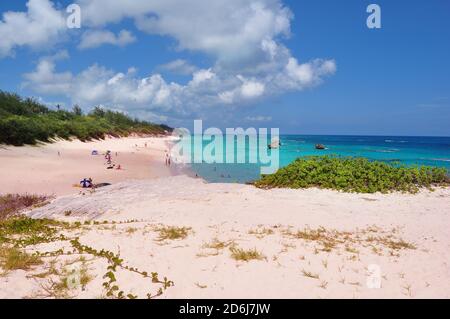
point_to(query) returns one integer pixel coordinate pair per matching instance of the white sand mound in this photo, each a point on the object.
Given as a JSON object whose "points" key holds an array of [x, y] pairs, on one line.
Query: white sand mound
{"points": [[127, 197], [359, 232]]}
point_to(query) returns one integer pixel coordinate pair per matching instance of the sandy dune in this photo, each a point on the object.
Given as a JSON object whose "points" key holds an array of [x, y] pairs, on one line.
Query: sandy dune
{"points": [[342, 238], [252, 218]]}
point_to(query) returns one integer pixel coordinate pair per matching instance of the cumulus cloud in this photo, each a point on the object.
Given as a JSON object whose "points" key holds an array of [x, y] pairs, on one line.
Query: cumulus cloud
{"points": [[243, 39], [40, 26], [251, 88], [96, 38], [45, 80], [259, 118], [308, 74], [179, 66], [231, 30], [202, 76], [99, 85]]}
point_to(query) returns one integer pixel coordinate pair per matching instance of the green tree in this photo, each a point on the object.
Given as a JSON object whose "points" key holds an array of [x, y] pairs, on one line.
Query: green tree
{"points": [[77, 110]]}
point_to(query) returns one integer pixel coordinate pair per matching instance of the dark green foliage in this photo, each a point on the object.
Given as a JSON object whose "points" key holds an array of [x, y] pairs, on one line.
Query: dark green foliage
{"points": [[31, 231], [25, 121], [353, 175], [77, 110]]}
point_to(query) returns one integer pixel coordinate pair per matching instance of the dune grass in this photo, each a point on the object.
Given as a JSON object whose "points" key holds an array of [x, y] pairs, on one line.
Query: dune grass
{"points": [[11, 204], [350, 174], [19, 234], [240, 254], [328, 240], [12, 258], [25, 121], [172, 233]]}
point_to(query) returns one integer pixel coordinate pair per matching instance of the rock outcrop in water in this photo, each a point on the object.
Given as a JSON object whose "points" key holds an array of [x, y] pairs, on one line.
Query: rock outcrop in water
{"points": [[275, 144], [320, 147]]}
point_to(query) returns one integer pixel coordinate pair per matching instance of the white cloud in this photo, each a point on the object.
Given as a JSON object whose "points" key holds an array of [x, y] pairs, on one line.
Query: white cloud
{"points": [[230, 30], [259, 118], [308, 74], [226, 97], [98, 85], [202, 76], [179, 66], [38, 27], [251, 88], [46, 80], [244, 39], [270, 47], [96, 38]]}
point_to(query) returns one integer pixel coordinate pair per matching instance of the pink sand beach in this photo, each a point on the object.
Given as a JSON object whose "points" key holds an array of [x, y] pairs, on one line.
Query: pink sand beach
{"points": [[367, 246]]}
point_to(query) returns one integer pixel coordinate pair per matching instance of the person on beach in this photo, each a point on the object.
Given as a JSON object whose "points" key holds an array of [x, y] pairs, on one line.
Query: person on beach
{"points": [[86, 183], [108, 156]]}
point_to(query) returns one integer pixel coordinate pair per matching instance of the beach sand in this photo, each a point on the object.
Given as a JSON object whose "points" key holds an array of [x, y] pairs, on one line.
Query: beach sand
{"points": [[41, 170], [309, 243]]}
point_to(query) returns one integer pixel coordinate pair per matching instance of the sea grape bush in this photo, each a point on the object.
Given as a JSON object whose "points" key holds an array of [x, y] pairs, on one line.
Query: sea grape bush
{"points": [[350, 174]]}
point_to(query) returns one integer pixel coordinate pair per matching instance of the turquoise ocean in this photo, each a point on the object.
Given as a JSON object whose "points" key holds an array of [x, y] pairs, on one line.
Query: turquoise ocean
{"points": [[431, 151]]}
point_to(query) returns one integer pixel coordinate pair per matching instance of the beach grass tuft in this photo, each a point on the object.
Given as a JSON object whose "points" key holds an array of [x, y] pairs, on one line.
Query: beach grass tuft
{"points": [[173, 233], [218, 244], [12, 258], [240, 254], [310, 274], [332, 239], [261, 232]]}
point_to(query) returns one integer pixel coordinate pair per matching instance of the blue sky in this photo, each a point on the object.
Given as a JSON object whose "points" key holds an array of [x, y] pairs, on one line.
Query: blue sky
{"points": [[309, 67]]}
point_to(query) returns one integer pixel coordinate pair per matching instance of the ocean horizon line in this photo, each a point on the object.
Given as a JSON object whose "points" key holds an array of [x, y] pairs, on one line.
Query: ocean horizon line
{"points": [[354, 135]]}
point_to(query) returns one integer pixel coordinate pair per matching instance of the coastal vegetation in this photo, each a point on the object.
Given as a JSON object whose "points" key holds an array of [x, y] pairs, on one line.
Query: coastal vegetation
{"points": [[11, 204], [327, 240], [20, 235], [26, 121], [350, 174], [240, 254], [173, 233]]}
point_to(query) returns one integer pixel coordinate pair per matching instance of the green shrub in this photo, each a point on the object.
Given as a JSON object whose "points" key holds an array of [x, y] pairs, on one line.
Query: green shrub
{"points": [[353, 175], [27, 122]]}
